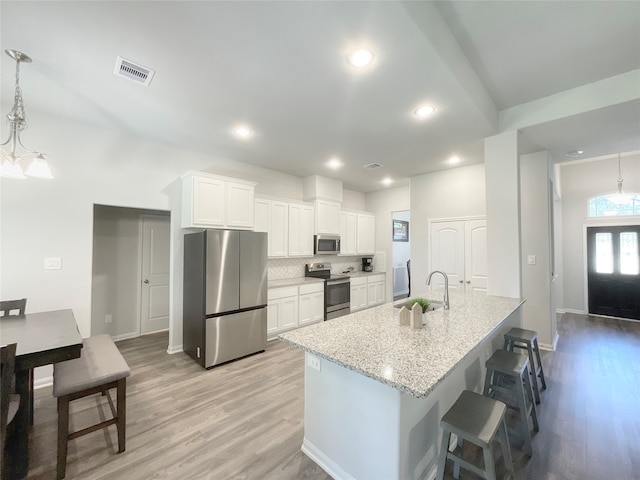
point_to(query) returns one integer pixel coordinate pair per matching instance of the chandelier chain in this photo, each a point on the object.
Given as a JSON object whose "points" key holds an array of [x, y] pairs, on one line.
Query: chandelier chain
{"points": [[17, 115]]}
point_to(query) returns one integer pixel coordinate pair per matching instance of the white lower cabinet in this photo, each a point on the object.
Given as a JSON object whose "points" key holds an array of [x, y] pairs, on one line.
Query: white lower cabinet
{"points": [[311, 304], [292, 307], [367, 291], [282, 309], [375, 290], [358, 293]]}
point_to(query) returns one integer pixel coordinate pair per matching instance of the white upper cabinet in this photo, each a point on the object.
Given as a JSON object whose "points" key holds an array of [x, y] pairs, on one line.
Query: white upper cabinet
{"points": [[210, 201], [300, 230], [348, 233], [327, 217], [278, 227], [365, 234]]}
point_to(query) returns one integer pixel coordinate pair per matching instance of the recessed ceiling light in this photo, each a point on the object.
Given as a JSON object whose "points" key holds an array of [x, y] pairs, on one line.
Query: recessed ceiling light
{"points": [[386, 181], [424, 111], [455, 159], [575, 153], [334, 163], [242, 131], [360, 58]]}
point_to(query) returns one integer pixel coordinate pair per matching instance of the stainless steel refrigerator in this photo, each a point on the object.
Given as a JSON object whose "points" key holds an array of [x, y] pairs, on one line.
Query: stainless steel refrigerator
{"points": [[225, 295]]}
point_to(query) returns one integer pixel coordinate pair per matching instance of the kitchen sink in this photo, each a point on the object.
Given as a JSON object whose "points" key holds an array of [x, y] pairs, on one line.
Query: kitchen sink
{"points": [[433, 305]]}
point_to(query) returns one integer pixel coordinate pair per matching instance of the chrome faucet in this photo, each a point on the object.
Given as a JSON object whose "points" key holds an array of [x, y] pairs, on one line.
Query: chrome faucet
{"points": [[445, 302]]}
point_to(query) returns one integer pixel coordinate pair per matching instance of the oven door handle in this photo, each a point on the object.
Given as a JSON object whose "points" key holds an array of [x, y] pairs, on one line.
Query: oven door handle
{"points": [[338, 282]]}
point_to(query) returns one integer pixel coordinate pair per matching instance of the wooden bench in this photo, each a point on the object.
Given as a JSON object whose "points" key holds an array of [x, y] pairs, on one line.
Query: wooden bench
{"points": [[100, 368]]}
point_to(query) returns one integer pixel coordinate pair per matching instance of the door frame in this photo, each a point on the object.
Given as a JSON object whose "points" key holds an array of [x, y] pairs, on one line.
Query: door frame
{"points": [[599, 222], [141, 218]]}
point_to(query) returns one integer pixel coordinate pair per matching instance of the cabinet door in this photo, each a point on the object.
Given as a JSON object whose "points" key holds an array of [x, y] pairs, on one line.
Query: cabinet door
{"points": [[273, 314], [358, 297], [278, 228], [380, 293], [347, 233], [288, 317], [300, 230], [365, 234], [208, 202], [327, 217], [311, 308], [239, 205], [261, 215]]}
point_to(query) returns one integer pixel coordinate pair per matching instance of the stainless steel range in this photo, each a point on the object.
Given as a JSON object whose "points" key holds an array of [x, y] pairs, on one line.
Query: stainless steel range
{"points": [[337, 289]]}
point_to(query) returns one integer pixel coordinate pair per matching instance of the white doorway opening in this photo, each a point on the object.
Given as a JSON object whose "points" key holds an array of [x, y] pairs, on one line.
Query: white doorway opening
{"points": [[401, 254], [123, 251]]}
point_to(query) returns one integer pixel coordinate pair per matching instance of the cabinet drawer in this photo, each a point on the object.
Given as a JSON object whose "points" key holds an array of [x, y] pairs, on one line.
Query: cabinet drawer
{"points": [[375, 278], [311, 288], [276, 293], [358, 281]]}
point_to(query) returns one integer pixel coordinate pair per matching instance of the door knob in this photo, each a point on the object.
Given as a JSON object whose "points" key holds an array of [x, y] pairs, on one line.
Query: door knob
{"points": [[460, 281], [146, 280], [468, 281]]}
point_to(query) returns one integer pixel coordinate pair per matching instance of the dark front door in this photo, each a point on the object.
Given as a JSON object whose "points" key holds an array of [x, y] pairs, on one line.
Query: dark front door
{"points": [[613, 272]]}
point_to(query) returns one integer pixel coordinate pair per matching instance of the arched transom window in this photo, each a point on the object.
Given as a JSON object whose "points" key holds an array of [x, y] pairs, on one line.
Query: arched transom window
{"points": [[615, 205]]}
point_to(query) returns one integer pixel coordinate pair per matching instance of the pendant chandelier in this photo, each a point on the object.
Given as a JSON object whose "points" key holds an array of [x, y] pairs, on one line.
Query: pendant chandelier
{"points": [[14, 153], [620, 197]]}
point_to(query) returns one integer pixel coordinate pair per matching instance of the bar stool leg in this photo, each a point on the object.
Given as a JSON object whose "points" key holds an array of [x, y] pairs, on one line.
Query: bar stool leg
{"points": [[537, 350], [489, 465], [456, 464], [533, 374], [534, 412], [503, 437], [444, 449], [524, 415]]}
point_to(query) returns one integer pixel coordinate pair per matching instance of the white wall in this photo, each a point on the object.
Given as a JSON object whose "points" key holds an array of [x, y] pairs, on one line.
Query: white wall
{"points": [[383, 203], [581, 181], [353, 200], [535, 214], [459, 192]]}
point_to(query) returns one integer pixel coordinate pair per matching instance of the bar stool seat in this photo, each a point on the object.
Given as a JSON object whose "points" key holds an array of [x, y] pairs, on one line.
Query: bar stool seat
{"points": [[479, 420], [528, 340], [100, 368], [508, 373]]}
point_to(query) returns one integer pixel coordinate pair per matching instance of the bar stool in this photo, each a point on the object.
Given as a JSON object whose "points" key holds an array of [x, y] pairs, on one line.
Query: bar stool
{"points": [[504, 365], [479, 420], [527, 340]]}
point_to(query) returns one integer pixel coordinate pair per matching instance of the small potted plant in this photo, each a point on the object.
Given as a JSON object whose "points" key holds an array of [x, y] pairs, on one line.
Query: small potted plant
{"points": [[423, 302]]}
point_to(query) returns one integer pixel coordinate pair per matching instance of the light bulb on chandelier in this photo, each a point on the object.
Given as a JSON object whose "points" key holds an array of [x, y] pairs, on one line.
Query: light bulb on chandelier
{"points": [[11, 157]]}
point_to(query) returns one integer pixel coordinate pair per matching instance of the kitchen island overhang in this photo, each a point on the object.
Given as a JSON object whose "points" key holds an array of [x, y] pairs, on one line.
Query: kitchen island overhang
{"points": [[375, 391]]}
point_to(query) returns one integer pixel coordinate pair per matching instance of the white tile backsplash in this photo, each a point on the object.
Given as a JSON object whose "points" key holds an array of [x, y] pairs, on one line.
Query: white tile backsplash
{"points": [[282, 268]]}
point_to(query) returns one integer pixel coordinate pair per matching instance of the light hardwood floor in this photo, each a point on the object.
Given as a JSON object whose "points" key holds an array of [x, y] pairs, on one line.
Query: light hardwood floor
{"points": [[244, 420]]}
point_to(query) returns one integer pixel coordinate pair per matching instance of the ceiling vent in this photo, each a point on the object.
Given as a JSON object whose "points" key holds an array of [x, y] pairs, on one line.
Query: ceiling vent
{"points": [[133, 71], [371, 166]]}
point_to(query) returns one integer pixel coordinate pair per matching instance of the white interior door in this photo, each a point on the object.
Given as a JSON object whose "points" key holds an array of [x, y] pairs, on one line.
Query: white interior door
{"points": [[459, 248], [447, 252], [476, 254], [154, 298]]}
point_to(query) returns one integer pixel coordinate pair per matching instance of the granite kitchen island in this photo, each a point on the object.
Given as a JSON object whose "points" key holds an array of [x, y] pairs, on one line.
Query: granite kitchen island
{"points": [[375, 391]]}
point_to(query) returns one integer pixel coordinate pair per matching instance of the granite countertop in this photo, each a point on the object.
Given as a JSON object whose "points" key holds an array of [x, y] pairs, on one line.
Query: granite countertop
{"points": [[290, 282], [372, 343]]}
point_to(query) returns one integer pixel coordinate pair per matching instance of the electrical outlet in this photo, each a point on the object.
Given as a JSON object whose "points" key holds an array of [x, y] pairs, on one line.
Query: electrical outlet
{"points": [[108, 318], [53, 263], [314, 362]]}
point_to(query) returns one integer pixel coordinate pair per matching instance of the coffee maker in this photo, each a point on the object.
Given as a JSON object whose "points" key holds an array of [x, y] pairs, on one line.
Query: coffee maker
{"points": [[367, 264]]}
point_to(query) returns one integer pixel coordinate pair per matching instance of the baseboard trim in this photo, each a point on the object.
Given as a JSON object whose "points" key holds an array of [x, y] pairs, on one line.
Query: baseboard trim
{"points": [[553, 346], [42, 382], [571, 310], [324, 462], [174, 349], [125, 336], [560, 310]]}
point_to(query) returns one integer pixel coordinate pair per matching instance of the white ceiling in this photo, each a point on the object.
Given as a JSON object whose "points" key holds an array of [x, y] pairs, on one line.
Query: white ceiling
{"points": [[280, 67]]}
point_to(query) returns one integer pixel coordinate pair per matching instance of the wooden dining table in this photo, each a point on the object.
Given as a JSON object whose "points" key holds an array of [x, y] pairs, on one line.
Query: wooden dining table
{"points": [[43, 338]]}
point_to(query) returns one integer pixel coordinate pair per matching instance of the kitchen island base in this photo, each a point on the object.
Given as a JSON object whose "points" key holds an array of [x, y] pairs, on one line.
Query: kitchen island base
{"points": [[359, 428]]}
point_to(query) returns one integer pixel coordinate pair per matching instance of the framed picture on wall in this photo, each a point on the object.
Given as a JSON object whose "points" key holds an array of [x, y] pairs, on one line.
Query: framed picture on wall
{"points": [[400, 231]]}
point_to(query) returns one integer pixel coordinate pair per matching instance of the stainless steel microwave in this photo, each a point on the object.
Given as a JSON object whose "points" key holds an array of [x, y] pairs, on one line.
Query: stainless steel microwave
{"points": [[326, 244]]}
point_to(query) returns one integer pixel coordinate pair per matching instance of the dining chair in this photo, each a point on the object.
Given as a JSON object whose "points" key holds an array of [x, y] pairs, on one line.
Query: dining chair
{"points": [[8, 306], [9, 402]]}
